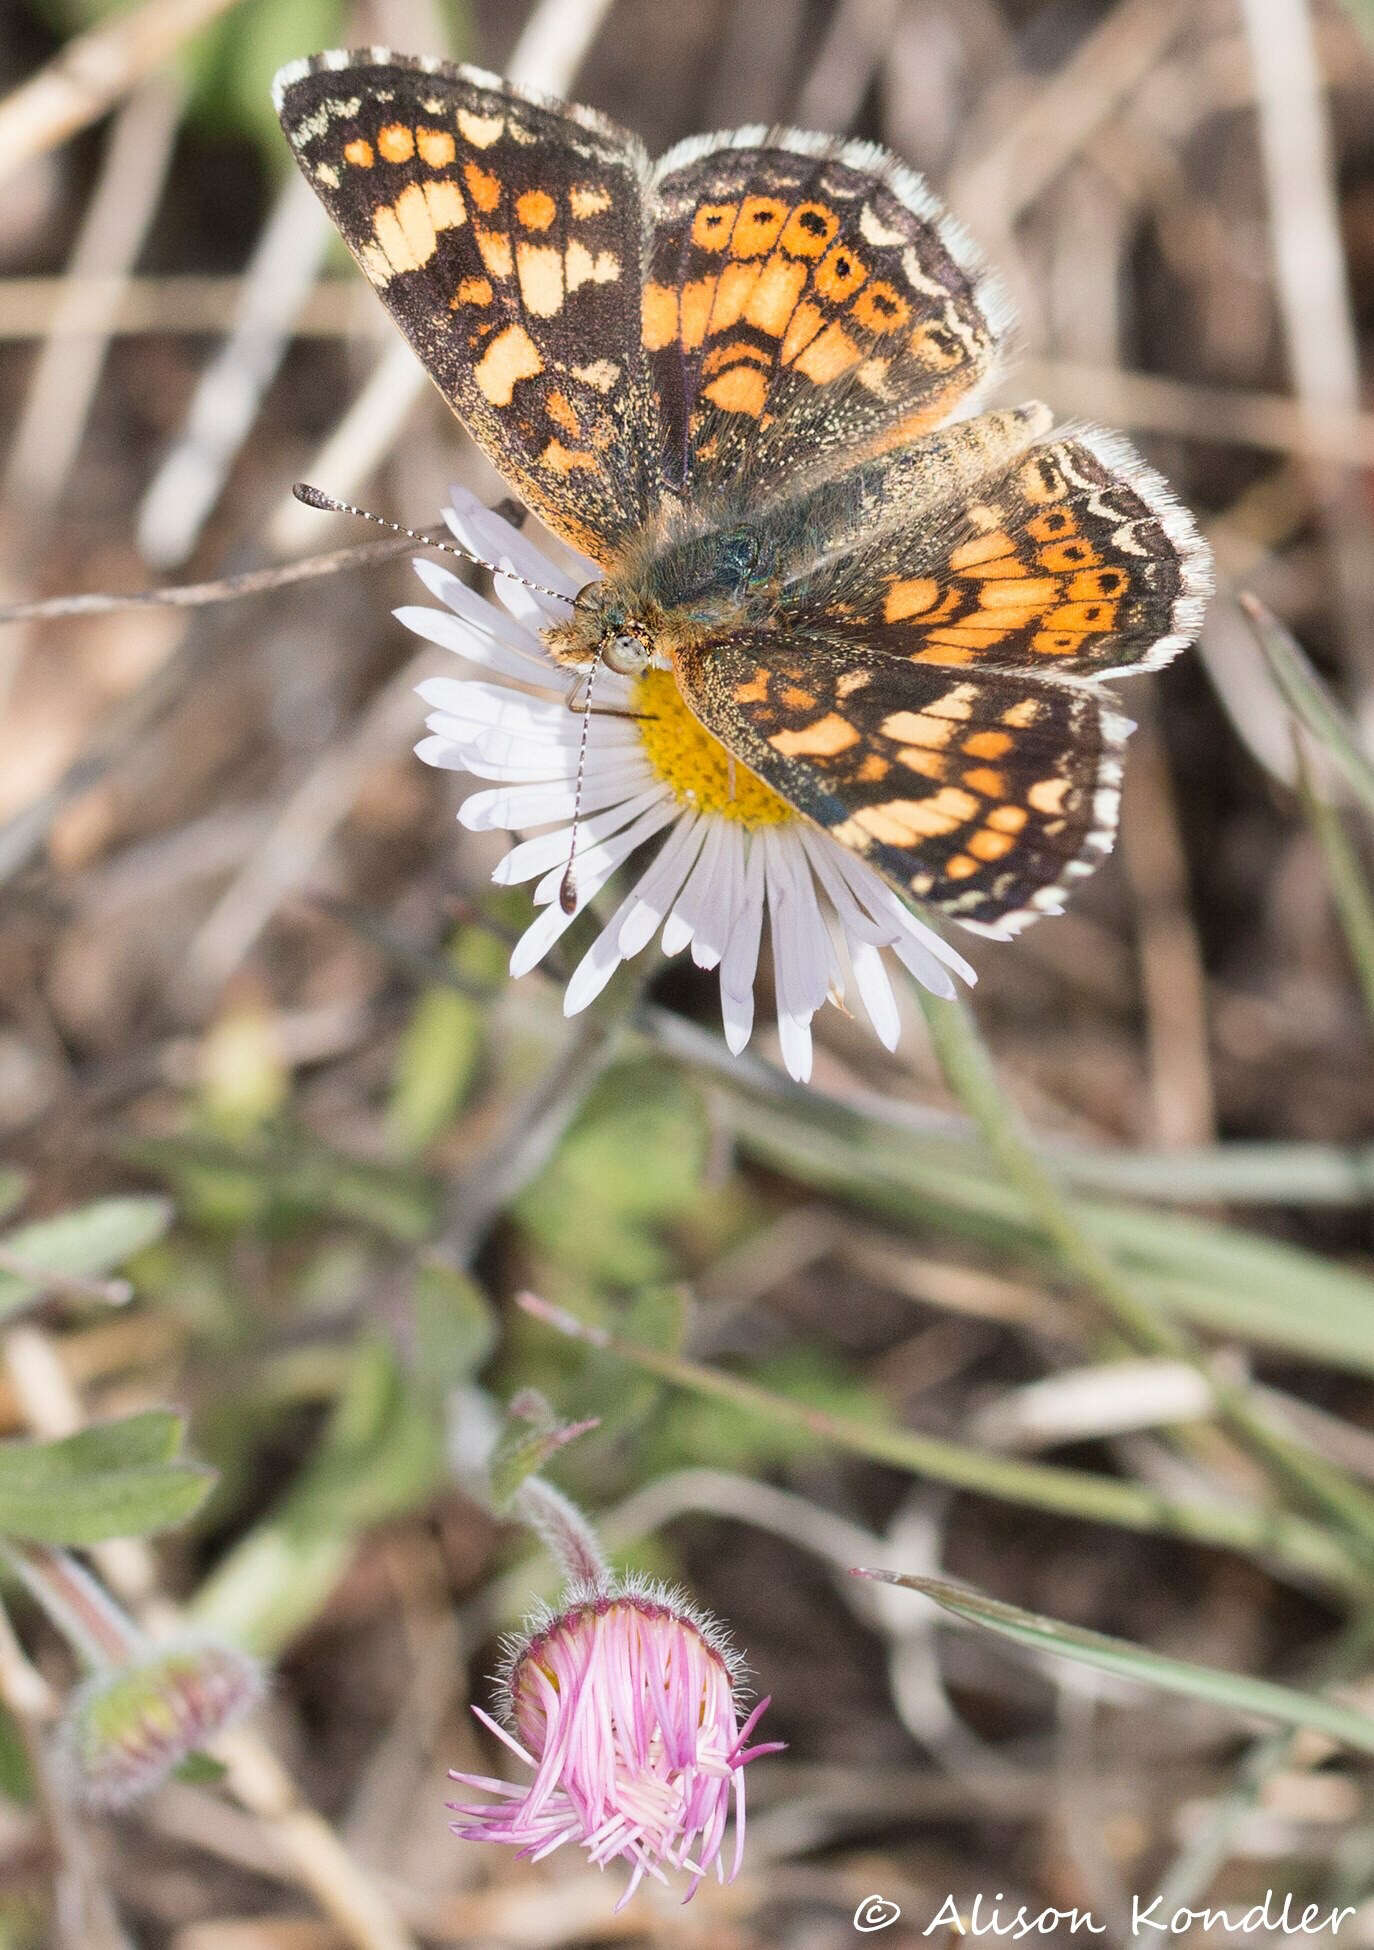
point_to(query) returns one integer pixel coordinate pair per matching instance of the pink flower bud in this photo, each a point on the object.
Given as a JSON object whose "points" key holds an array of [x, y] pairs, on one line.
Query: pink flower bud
{"points": [[624, 1704], [127, 1727]]}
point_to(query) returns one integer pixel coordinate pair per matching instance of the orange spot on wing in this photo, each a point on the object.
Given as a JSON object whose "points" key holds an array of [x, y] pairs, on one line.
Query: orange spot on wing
{"points": [[880, 307], [990, 846], [774, 296], [472, 291], [396, 143], [982, 778], [358, 152], [484, 188], [833, 353], [987, 744], [839, 274], [712, 224], [694, 311], [802, 327], [1047, 795], [1007, 819], [827, 738], [658, 316], [927, 765], [1052, 526], [436, 147], [736, 282], [1082, 616], [757, 225], [1077, 554], [1029, 593], [810, 230], [561, 411], [755, 691], [566, 460], [1101, 585], [510, 357], [911, 598], [494, 249], [983, 548], [536, 209], [959, 867], [588, 200]]}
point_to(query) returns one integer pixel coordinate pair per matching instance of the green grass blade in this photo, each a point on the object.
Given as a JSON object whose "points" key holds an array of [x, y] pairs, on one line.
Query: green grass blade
{"points": [[1233, 1691]]}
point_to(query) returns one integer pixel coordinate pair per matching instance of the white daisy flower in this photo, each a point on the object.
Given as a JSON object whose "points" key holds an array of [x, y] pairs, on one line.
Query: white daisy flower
{"points": [[731, 853]]}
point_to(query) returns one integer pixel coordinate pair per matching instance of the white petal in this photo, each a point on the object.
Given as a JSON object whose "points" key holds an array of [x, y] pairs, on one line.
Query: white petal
{"points": [[488, 619], [484, 531], [857, 924], [530, 607], [803, 955], [880, 900], [595, 864], [739, 964], [441, 752], [875, 992], [699, 895], [661, 885], [721, 882], [510, 808], [599, 963], [931, 974], [794, 1035], [536, 856]]}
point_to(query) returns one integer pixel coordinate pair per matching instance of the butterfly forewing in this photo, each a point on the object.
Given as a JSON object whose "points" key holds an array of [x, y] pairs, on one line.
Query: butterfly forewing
{"points": [[804, 299], [504, 235]]}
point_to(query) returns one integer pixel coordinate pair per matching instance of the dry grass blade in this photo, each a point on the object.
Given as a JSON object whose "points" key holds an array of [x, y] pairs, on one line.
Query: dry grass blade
{"points": [[92, 72]]}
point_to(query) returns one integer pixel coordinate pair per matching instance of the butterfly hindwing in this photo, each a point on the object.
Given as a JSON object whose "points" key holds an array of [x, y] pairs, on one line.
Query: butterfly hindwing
{"points": [[1070, 558], [984, 799], [503, 232], [803, 298]]}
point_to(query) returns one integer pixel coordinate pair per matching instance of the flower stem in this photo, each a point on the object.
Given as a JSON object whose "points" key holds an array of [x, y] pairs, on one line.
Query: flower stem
{"points": [[968, 1070], [1305, 1550], [564, 1530], [81, 1609]]}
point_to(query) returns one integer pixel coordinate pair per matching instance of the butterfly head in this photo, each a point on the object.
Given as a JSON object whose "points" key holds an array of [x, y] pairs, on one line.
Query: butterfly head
{"points": [[605, 627]]}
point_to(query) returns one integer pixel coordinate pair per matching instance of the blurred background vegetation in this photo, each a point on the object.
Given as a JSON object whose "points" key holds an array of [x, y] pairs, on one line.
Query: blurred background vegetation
{"points": [[1081, 1312]]}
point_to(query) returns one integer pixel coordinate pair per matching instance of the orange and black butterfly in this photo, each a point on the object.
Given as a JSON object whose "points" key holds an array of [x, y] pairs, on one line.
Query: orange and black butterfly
{"points": [[731, 378]]}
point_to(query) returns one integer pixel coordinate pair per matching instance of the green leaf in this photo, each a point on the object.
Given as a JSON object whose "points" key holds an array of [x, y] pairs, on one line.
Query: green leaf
{"points": [[1233, 1691], [134, 1442], [455, 1328], [631, 1164], [532, 1435], [381, 1454], [115, 1479], [442, 1044], [85, 1244]]}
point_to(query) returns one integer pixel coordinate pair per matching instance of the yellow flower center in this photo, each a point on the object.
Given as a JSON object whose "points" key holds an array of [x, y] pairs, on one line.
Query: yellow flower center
{"points": [[699, 770]]}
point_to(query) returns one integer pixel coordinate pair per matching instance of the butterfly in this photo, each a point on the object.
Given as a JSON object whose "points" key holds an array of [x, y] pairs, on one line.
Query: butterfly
{"points": [[744, 380]]}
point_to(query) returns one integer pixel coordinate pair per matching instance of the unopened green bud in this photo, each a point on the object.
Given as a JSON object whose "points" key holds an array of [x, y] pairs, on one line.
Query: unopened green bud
{"points": [[127, 1727]]}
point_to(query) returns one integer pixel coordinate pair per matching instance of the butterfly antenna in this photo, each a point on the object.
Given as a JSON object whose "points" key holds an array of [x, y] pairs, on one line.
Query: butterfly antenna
{"points": [[314, 497], [567, 887]]}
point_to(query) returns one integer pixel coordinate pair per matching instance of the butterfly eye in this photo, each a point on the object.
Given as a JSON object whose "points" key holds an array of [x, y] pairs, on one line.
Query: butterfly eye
{"points": [[627, 655]]}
